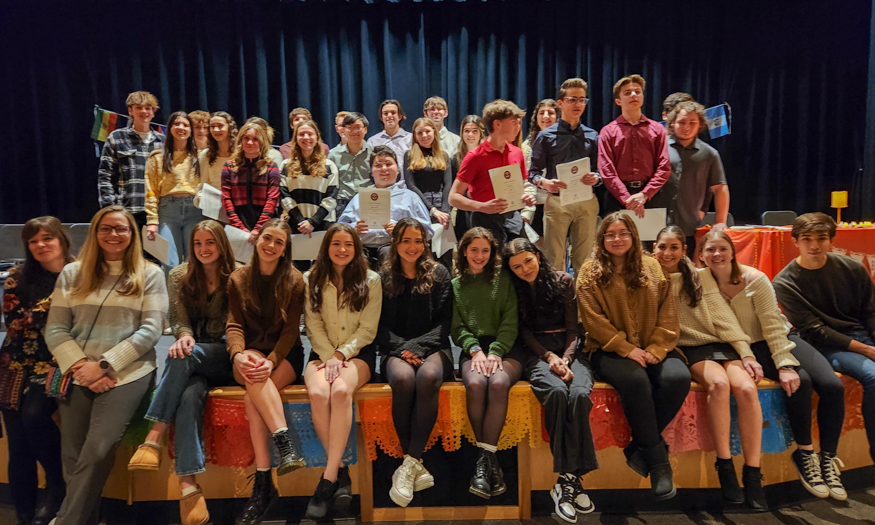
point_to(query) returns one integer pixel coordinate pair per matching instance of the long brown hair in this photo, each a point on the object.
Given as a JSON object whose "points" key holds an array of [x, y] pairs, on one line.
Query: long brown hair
{"points": [[239, 158], [297, 163], [534, 127], [493, 265], [194, 282], [282, 279], [190, 146], [602, 272], [692, 286], [213, 152], [355, 274], [94, 267], [30, 270], [463, 146], [735, 275], [418, 159], [393, 274]]}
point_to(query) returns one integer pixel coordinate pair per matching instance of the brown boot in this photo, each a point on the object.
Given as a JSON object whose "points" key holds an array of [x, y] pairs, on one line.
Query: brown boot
{"points": [[193, 509], [146, 457]]}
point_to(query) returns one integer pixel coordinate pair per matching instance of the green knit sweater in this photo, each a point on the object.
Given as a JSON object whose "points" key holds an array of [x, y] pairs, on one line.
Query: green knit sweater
{"points": [[483, 308]]}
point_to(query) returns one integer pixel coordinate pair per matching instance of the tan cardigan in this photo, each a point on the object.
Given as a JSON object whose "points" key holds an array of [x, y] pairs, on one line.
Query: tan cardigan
{"points": [[712, 320], [619, 320]]}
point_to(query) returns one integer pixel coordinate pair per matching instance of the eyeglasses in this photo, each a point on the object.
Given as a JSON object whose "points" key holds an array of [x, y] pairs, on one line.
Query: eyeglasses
{"points": [[610, 236], [355, 129], [576, 100], [119, 230]]}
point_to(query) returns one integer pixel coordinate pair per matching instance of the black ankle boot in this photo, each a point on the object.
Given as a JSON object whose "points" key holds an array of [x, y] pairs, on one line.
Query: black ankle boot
{"points": [[23, 519], [50, 505], [661, 483], [481, 484], [321, 502], [754, 494], [728, 481], [635, 459], [290, 459], [343, 496], [264, 494], [496, 476]]}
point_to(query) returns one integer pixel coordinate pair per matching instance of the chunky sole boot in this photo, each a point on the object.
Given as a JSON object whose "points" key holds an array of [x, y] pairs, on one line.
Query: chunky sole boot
{"points": [[290, 458], [264, 495], [481, 485], [496, 478]]}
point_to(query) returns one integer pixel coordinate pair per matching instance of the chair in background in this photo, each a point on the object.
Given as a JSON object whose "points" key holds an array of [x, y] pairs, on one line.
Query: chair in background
{"points": [[11, 247], [778, 218], [708, 219], [78, 233]]}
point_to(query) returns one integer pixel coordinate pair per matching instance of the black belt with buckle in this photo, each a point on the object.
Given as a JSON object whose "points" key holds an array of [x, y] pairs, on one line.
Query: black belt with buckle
{"points": [[635, 184]]}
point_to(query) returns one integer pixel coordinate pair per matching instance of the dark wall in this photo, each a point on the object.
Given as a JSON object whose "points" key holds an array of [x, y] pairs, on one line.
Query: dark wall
{"points": [[794, 73]]}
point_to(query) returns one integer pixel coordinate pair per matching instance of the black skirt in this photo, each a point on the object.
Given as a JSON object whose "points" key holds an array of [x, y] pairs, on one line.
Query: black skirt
{"points": [[710, 352], [367, 354]]}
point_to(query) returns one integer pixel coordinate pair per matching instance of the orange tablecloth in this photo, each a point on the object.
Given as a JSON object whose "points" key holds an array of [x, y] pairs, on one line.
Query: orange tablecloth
{"points": [[769, 249]]}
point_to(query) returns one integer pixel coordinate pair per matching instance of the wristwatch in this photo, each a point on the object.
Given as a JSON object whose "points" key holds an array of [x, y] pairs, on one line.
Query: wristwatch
{"points": [[789, 367], [475, 350], [104, 364]]}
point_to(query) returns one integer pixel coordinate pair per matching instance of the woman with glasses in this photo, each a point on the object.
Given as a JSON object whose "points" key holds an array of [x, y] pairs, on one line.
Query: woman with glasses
{"points": [[108, 311], [632, 331]]}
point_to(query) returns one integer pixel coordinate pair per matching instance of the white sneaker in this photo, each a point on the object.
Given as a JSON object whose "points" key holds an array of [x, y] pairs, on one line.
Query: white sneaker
{"points": [[424, 479], [582, 503], [402, 481], [563, 499]]}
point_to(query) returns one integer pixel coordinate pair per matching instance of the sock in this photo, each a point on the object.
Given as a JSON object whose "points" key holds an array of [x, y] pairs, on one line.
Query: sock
{"points": [[263, 469], [149, 442], [189, 490], [279, 431], [489, 448]]}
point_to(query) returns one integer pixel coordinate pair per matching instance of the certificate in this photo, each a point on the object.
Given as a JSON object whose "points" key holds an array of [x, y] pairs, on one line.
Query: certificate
{"points": [[507, 183], [570, 173], [375, 207], [159, 248], [306, 247], [239, 241], [211, 203], [443, 239], [649, 226]]}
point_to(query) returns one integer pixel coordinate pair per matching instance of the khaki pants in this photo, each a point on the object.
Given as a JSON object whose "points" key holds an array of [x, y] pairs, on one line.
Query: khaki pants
{"points": [[580, 217]]}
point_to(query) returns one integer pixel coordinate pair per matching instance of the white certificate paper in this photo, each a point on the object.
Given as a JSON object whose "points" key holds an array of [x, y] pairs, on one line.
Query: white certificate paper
{"points": [[375, 207], [649, 226], [306, 247], [211, 203], [570, 173], [239, 241], [443, 240], [159, 248], [507, 183]]}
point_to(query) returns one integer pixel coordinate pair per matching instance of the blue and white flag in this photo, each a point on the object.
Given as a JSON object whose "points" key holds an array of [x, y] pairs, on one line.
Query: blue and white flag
{"points": [[719, 120]]}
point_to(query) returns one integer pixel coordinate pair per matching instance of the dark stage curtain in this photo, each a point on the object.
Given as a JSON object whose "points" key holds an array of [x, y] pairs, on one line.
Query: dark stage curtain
{"points": [[795, 75]]}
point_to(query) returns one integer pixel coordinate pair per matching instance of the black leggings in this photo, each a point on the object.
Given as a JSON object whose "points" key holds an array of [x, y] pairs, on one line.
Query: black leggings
{"points": [[651, 396], [815, 373], [33, 437], [487, 397], [415, 396]]}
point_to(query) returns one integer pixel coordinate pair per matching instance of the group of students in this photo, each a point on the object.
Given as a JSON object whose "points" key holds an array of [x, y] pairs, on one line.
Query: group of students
{"points": [[82, 336]]}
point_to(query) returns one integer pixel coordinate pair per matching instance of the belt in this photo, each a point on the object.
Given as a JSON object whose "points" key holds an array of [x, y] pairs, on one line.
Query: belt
{"points": [[636, 183]]}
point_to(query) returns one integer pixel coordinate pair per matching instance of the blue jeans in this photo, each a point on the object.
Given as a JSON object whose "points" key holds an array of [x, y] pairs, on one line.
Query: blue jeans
{"points": [[177, 217], [862, 369], [181, 397]]}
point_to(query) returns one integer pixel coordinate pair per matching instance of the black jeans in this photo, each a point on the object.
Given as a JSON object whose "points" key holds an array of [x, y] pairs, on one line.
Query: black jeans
{"points": [[33, 437], [651, 396]]}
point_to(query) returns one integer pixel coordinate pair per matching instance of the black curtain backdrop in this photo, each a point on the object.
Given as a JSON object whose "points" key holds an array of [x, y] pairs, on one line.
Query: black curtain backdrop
{"points": [[795, 75]]}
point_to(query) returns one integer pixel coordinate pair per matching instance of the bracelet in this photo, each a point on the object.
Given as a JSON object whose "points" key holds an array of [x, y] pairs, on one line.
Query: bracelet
{"points": [[475, 350]]}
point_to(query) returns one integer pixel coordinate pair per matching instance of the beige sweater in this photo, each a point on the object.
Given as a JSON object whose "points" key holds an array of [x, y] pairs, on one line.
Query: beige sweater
{"points": [[712, 320], [756, 308], [619, 320]]}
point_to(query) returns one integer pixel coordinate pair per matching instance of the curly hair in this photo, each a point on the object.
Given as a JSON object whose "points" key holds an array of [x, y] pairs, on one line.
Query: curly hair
{"points": [[297, 165], [534, 127], [355, 274], [542, 299], [213, 152], [602, 271], [492, 266], [392, 272], [692, 286]]}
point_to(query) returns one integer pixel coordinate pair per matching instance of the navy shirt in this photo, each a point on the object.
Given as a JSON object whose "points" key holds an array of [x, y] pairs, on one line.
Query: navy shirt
{"points": [[559, 144]]}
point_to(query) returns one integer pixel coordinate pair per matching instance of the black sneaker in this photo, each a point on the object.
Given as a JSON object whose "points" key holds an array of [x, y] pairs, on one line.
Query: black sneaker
{"points": [[563, 499], [290, 459], [582, 503], [263, 497], [343, 496], [496, 476], [808, 466], [480, 482], [829, 465], [754, 494], [320, 503], [728, 481]]}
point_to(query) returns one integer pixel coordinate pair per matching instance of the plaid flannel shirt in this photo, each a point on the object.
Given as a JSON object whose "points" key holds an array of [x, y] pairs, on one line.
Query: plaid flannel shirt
{"points": [[121, 178]]}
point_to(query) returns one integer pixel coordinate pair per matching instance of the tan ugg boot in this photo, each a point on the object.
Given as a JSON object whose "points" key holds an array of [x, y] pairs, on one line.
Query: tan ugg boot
{"points": [[193, 509]]}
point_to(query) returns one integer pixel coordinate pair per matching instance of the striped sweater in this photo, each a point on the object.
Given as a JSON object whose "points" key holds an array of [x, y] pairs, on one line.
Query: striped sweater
{"points": [[125, 331], [309, 198]]}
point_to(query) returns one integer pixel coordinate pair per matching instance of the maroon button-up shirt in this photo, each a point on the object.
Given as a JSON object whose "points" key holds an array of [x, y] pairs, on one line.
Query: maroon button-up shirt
{"points": [[633, 152]]}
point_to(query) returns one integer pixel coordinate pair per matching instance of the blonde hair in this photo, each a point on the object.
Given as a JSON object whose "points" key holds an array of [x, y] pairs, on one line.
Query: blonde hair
{"points": [[316, 166], [418, 160], [500, 110], [434, 102], [264, 124], [143, 98], [631, 79], [93, 269], [238, 158]]}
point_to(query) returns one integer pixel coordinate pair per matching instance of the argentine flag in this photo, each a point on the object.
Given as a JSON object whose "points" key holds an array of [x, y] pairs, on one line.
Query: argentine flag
{"points": [[718, 118]]}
